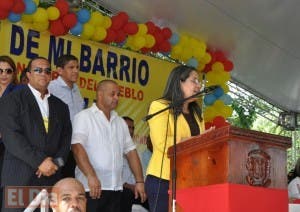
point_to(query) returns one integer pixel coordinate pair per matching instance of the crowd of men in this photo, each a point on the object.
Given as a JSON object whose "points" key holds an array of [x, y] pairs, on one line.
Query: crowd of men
{"points": [[47, 131]]}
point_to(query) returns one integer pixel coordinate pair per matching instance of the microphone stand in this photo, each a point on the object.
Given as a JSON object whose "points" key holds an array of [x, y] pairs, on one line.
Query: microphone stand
{"points": [[176, 106]]}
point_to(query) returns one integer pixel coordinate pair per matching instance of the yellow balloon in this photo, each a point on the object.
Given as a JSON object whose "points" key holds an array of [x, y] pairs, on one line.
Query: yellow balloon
{"points": [[206, 58], [142, 29], [53, 13], [99, 34], [40, 26], [106, 22], [225, 88], [139, 42], [40, 15], [26, 18], [219, 104], [176, 52], [96, 19], [150, 40], [88, 31], [209, 114], [217, 66]]}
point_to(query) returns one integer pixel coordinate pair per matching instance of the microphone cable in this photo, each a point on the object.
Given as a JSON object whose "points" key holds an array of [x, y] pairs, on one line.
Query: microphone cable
{"points": [[162, 162]]}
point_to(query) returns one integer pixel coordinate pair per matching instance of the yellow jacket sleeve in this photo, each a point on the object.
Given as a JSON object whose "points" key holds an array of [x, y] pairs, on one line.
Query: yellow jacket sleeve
{"points": [[162, 137]]}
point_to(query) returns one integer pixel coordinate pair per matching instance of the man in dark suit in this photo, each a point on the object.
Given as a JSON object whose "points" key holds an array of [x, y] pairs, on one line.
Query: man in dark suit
{"points": [[36, 131]]}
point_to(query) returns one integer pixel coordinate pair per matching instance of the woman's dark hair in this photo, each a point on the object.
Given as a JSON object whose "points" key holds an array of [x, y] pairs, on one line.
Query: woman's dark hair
{"points": [[173, 90], [10, 61], [295, 172]]}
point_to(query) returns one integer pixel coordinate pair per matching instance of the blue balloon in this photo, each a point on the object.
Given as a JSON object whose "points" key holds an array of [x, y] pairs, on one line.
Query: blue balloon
{"points": [[174, 39], [77, 29], [30, 7], [226, 99], [209, 99], [83, 15], [218, 92], [13, 17], [192, 62]]}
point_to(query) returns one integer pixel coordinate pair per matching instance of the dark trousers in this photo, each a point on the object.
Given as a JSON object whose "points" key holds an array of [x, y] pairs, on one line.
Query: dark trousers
{"points": [[157, 193], [68, 170], [128, 199], [109, 201]]}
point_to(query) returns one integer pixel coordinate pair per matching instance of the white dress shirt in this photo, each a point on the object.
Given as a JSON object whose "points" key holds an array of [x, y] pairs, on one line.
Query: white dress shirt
{"points": [[70, 96], [43, 103], [105, 142], [294, 188]]}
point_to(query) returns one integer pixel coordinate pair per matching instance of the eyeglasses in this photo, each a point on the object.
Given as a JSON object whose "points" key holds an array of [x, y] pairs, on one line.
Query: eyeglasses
{"points": [[196, 81], [41, 70], [6, 70]]}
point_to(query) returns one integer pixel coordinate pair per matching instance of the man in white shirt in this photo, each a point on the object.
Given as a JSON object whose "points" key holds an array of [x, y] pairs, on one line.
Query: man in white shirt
{"points": [[99, 141], [65, 88]]}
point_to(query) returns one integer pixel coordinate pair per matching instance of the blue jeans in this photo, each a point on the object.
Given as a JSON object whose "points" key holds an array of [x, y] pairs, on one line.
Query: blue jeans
{"points": [[157, 193]]}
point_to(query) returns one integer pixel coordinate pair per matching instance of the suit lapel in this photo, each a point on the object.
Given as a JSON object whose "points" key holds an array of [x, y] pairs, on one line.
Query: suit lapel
{"points": [[53, 121], [35, 110]]}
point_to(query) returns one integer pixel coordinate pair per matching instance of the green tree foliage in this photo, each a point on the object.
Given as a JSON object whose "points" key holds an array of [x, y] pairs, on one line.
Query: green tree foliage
{"points": [[243, 116]]}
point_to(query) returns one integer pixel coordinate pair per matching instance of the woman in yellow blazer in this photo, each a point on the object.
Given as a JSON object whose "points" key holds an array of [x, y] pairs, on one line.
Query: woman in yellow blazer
{"points": [[183, 82]]}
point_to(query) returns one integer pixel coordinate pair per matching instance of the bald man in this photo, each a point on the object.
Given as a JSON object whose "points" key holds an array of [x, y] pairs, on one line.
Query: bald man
{"points": [[99, 141], [68, 195]]}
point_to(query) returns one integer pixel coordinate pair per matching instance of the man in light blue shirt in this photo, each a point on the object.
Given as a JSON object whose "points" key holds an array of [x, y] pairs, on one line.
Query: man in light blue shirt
{"points": [[65, 88]]}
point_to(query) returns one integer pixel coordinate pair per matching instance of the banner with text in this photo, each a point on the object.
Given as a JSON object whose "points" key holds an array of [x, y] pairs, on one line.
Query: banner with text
{"points": [[141, 78]]}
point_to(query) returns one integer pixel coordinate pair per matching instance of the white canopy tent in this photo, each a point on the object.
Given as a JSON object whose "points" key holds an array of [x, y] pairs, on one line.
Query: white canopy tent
{"points": [[260, 37]]}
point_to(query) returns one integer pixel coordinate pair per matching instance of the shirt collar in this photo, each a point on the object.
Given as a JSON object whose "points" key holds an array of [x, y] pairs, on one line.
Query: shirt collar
{"points": [[62, 83], [38, 94], [95, 109]]}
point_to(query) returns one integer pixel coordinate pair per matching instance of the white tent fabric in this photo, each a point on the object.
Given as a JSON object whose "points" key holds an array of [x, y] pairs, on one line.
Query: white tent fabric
{"points": [[262, 38]]}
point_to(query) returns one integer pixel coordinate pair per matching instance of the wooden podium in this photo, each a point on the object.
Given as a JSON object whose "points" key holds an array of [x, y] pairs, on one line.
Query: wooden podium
{"points": [[231, 155]]}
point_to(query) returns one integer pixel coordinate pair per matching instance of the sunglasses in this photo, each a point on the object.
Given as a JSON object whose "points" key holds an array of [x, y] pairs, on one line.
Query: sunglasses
{"points": [[41, 70], [6, 70]]}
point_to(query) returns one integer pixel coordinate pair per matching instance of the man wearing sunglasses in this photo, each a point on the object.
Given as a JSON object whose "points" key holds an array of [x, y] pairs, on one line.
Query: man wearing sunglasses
{"points": [[36, 131]]}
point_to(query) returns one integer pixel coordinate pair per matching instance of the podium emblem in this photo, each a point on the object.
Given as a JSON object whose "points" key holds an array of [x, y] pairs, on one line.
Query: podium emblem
{"points": [[258, 166]]}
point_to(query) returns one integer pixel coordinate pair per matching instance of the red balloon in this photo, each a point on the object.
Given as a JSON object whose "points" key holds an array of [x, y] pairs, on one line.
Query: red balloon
{"points": [[70, 20], [123, 16], [117, 23], [208, 125], [165, 46], [228, 65], [167, 33], [207, 68], [62, 6], [121, 36], [131, 28], [159, 38], [219, 121], [151, 27], [57, 28], [155, 48], [3, 14], [145, 50], [219, 55], [6, 5], [19, 7], [110, 36]]}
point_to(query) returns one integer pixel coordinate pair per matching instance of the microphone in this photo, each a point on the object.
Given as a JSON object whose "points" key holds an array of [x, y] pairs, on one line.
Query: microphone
{"points": [[59, 162], [206, 90]]}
